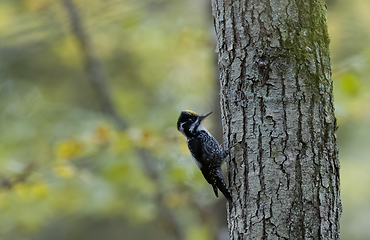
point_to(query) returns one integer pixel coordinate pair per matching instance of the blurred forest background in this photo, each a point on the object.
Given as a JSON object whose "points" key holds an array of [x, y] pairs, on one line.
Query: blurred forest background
{"points": [[90, 93]]}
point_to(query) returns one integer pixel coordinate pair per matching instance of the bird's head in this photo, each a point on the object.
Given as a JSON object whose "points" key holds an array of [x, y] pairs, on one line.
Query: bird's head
{"points": [[189, 122]]}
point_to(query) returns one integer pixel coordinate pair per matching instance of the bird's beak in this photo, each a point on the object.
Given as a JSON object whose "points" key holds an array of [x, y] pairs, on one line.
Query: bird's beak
{"points": [[203, 116]]}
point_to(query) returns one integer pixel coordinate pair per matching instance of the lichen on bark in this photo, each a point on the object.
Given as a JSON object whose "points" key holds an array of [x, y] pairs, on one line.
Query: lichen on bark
{"points": [[278, 113]]}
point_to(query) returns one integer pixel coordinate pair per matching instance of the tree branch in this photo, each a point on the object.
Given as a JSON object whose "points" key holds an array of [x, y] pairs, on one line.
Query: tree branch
{"points": [[98, 81], [96, 76]]}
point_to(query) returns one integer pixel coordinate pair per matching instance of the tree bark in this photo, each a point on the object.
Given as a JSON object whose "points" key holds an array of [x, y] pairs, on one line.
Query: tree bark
{"points": [[278, 117]]}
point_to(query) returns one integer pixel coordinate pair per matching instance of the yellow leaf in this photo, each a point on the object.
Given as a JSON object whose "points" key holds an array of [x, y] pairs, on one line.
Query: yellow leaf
{"points": [[350, 84], [29, 192], [39, 190], [37, 5], [69, 149], [103, 133], [64, 171]]}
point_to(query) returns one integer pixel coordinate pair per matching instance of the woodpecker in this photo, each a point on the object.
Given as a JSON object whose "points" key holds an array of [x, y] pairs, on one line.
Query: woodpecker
{"points": [[205, 150]]}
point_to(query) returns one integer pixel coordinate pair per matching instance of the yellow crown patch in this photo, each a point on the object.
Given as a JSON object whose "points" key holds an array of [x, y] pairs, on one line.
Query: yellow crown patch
{"points": [[190, 112]]}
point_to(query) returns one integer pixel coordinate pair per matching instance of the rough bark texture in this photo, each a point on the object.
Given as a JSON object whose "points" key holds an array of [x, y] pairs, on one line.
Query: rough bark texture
{"points": [[277, 107]]}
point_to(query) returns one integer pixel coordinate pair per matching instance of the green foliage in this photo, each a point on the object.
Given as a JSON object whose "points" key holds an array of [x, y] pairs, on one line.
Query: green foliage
{"points": [[60, 156], [351, 69], [350, 85]]}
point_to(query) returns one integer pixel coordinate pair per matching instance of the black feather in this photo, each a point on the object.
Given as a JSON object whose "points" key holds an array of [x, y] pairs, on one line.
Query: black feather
{"points": [[209, 157], [222, 186], [205, 150]]}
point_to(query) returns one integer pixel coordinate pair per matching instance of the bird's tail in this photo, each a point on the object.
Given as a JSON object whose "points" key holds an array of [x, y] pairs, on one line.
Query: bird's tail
{"points": [[220, 183], [216, 179]]}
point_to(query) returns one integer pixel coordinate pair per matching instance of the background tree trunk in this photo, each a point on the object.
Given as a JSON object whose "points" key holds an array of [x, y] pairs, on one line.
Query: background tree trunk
{"points": [[277, 104], [98, 82], [96, 75]]}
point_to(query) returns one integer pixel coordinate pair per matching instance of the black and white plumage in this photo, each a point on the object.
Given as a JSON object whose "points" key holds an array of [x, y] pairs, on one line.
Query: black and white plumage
{"points": [[205, 149]]}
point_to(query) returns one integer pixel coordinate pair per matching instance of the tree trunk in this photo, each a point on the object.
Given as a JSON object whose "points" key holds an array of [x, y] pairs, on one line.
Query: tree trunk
{"points": [[278, 114]]}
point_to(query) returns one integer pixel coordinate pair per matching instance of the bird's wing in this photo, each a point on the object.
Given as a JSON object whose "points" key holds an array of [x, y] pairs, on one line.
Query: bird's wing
{"points": [[196, 150], [212, 152]]}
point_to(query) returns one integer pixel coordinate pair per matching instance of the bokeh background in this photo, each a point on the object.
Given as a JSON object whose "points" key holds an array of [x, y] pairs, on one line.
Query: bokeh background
{"points": [[90, 92]]}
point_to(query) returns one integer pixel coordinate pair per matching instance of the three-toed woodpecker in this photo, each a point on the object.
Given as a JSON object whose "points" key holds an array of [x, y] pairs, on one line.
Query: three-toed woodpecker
{"points": [[204, 149]]}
